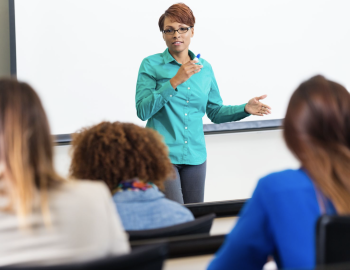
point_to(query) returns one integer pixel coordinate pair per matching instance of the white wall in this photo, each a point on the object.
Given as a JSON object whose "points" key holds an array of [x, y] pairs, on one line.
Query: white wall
{"points": [[236, 161]]}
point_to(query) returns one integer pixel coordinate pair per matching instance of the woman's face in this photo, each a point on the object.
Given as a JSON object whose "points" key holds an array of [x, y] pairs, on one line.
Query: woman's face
{"points": [[177, 42]]}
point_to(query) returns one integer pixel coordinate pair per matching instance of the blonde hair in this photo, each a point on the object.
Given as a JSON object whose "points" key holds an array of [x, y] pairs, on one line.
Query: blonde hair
{"points": [[26, 151]]}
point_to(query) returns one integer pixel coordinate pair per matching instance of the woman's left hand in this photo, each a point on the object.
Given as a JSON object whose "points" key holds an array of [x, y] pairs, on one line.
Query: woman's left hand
{"points": [[255, 107]]}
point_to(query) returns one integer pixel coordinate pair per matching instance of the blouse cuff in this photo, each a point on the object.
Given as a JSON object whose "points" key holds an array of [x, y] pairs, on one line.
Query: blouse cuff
{"points": [[243, 109], [167, 91]]}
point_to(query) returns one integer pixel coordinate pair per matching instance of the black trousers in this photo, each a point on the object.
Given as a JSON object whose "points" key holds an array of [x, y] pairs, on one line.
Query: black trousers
{"points": [[188, 186]]}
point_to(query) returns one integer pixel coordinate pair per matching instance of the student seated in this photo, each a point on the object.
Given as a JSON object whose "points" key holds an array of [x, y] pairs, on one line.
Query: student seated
{"points": [[280, 218], [45, 219], [134, 163]]}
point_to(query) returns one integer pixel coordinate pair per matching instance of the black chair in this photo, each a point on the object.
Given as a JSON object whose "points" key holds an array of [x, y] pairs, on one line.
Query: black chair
{"points": [[341, 266], [200, 225], [220, 208], [333, 240], [187, 245], [143, 258]]}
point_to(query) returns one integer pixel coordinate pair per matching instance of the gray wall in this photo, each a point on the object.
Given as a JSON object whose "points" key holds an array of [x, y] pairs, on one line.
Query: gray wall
{"points": [[4, 39]]}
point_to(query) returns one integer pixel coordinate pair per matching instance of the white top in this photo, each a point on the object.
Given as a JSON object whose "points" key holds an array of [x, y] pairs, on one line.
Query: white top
{"points": [[85, 226]]}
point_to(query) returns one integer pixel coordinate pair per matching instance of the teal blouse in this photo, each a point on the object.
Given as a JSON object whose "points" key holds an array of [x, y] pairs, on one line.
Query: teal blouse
{"points": [[177, 113]]}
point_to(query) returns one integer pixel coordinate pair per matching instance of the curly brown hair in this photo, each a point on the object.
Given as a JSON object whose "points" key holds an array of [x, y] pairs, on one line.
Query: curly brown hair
{"points": [[117, 151]]}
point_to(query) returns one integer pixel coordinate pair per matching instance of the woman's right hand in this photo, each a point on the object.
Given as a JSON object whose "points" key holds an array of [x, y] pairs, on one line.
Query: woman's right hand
{"points": [[185, 72]]}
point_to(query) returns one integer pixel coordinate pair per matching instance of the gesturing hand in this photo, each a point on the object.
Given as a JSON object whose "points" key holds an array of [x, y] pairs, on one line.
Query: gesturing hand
{"points": [[185, 72], [255, 107]]}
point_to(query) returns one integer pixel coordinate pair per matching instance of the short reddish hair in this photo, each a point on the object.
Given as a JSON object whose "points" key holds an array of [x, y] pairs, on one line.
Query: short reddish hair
{"points": [[179, 13]]}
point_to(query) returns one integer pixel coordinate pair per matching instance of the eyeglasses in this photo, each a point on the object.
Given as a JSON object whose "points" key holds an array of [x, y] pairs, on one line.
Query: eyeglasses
{"points": [[181, 30]]}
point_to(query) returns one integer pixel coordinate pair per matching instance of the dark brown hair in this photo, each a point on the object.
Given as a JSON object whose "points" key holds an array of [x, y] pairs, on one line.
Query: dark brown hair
{"points": [[26, 151], [178, 13], [113, 152], [317, 131]]}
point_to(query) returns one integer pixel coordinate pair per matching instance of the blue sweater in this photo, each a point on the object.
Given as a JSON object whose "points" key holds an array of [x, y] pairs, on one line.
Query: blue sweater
{"points": [[149, 209], [280, 220]]}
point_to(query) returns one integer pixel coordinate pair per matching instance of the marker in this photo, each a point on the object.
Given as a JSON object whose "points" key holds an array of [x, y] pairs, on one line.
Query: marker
{"points": [[197, 58]]}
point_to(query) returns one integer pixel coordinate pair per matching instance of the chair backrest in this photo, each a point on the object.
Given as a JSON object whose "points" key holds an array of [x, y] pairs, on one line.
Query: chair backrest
{"points": [[142, 258], [333, 239], [200, 225]]}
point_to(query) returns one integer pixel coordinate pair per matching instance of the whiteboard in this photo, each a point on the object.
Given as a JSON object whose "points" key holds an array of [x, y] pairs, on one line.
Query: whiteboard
{"points": [[83, 56]]}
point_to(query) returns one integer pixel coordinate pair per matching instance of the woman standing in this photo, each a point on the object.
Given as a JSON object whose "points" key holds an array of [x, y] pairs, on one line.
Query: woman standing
{"points": [[173, 93]]}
